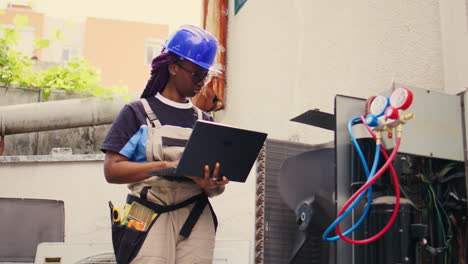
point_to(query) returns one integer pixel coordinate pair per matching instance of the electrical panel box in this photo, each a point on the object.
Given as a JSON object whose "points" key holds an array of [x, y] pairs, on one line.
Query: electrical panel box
{"points": [[430, 168], [437, 129]]}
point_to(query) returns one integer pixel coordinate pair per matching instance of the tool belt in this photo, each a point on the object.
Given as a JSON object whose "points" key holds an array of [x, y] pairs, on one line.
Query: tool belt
{"points": [[127, 241]]}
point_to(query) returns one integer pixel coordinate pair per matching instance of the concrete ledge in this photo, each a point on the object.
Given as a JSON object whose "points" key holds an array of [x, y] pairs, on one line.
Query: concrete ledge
{"points": [[51, 158]]}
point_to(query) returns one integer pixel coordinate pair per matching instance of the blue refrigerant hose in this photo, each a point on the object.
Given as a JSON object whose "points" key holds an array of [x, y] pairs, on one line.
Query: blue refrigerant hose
{"points": [[356, 202]]}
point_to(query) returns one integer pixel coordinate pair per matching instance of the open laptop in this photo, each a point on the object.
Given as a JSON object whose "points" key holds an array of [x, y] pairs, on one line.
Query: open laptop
{"points": [[235, 149]]}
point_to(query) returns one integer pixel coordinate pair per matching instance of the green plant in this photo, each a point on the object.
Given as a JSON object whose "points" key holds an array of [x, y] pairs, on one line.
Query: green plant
{"points": [[77, 75], [13, 64]]}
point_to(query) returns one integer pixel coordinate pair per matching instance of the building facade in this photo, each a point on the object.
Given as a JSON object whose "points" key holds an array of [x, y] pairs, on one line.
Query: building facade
{"points": [[121, 50]]}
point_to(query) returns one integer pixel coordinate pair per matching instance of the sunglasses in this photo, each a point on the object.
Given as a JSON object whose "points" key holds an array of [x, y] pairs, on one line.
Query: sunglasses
{"points": [[197, 76]]}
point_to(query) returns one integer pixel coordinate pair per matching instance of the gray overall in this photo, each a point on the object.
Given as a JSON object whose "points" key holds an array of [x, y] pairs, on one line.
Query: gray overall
{"points": [[166, 242]]}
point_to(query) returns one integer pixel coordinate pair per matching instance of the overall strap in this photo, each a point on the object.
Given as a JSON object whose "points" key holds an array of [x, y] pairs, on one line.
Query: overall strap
{"points": [[144, 192], [149, 147], [194, 215], [199, 113], [149, 113], [151, 121]]}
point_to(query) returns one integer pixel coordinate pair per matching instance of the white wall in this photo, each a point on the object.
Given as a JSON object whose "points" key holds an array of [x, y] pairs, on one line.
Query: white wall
{"points": [[80, 184], [454, 27], [286, 57], [85, 193]]}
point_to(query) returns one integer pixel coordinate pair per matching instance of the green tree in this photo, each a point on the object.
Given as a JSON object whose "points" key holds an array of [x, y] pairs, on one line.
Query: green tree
{"points": [[13, 64], [77, 75]]}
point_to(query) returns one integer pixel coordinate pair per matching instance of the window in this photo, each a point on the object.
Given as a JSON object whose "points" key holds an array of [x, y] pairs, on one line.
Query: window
{"points": [[26, 43], [153, 48], [68, 53]]}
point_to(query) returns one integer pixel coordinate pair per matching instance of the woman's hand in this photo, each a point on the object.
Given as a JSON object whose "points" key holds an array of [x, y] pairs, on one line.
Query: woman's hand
{"points": [[209, 183], [171, 164], [118, 169]]}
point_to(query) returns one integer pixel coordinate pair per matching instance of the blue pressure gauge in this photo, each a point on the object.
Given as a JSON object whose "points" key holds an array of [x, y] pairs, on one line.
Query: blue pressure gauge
{"points": [[379, 104]]}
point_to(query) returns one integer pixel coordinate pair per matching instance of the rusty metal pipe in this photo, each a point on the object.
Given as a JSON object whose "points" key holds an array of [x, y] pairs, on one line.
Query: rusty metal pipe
{"points": [[53, 115]]}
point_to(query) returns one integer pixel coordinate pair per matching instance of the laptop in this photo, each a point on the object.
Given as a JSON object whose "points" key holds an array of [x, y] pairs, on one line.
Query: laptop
{"points": [[235, 149]]}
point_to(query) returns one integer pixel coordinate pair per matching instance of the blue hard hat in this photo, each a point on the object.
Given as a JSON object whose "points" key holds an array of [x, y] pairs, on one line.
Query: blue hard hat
{"points": [[194, 44]]}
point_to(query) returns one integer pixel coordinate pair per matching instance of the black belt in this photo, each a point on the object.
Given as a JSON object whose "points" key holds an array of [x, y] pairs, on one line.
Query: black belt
{"points": [[200, 200]]}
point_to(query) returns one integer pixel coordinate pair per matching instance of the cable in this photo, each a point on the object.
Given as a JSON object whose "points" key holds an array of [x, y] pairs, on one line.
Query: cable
{"points": [[465, 248], [369, 199], [409, 199], [447, 237], [356, 202], [356, 145], [461, 258], [440, 221], [438, 214], [452, 176], [363, 188], [446, 169], [367, 185]]}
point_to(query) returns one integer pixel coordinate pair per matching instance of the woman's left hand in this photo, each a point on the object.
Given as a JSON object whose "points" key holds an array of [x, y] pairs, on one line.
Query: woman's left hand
{"points": [[209, 183]]}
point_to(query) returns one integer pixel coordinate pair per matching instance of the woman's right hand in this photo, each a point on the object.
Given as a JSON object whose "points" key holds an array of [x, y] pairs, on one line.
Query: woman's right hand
{"points": [[171, 164], [210, 183], [118, 169]]}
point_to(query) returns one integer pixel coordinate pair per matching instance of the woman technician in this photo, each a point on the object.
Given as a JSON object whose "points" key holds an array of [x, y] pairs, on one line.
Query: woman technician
{"points": [[150, 134]]}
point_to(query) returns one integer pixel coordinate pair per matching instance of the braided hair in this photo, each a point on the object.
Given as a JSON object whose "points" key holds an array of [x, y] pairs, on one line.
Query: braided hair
{"points": [[159, 73]]}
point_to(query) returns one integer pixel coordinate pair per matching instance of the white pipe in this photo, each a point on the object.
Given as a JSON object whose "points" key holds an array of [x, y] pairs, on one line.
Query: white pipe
{"points": [[53, 115]]}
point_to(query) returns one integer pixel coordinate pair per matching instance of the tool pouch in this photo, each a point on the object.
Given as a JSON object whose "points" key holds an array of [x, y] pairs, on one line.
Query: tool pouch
{"points": [[127, 242]]}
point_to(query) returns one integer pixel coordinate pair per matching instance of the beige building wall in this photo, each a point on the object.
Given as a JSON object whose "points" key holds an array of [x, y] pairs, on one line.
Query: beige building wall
{"points": [[71, 45], [118, 48], [36, 21]]}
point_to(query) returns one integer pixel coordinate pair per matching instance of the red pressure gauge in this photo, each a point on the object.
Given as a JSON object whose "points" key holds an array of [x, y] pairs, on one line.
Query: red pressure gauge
{"points": [[392, 113], [401, 98]]}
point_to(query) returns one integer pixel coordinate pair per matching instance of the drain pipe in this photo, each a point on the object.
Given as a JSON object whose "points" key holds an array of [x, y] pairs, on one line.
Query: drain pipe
{"points": [[54, 115]]}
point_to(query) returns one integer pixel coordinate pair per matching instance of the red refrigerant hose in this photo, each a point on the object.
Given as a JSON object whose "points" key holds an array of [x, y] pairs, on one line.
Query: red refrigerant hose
{"points": [[387, 164]]}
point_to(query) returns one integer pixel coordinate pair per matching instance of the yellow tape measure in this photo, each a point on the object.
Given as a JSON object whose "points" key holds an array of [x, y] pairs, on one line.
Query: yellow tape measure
{"points": [[116, 215]]}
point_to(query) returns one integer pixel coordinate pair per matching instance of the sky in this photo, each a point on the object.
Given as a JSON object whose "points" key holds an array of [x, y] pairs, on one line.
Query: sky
{"points": [[172, 12]]}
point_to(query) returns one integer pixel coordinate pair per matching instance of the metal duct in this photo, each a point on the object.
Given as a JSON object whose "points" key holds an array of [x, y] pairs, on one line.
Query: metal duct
{"points": [[53, 115]]}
